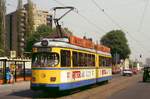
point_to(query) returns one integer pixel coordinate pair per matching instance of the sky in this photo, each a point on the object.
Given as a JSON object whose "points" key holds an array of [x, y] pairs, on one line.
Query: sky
{"points": [[96, 19]]}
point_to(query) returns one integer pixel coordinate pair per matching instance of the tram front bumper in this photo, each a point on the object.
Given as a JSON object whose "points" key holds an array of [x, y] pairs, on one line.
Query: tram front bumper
{"points": [[44, 87]]}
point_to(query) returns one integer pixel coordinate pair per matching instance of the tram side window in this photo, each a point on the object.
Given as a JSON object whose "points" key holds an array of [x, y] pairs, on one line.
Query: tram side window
{"points": [[86, 59], [89, 60], [109, 62], [83, 59], [103, 61], [65, 58], [93, 60], [100, 63], [75, 58]]}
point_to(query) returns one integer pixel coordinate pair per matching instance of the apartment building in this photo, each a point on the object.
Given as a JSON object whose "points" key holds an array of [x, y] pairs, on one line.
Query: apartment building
{"points": [[17, 41]]}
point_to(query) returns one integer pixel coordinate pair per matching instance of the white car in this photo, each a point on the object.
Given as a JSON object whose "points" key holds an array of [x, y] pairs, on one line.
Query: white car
{"points": [[127, 72]]}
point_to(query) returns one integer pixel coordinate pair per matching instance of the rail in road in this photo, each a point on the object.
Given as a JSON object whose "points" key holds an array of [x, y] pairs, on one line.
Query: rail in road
{"points": [[105, 91], [22, 90]]}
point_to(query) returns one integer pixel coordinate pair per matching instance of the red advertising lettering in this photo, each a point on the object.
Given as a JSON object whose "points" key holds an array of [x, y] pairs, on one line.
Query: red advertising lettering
{"points": [[76, 74], [104, 72], [68, 74]]}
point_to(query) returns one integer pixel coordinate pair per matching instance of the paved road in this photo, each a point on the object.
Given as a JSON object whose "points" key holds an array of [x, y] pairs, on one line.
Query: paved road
{"points": [[22, 90], [139, 90]]}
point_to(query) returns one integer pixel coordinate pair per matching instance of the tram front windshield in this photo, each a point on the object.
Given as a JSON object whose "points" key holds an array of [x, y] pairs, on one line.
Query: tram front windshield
{"points": [[45, 59]]}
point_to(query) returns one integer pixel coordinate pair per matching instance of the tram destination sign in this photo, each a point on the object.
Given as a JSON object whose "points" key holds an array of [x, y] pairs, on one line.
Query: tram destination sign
{"points": [[44, 49]]}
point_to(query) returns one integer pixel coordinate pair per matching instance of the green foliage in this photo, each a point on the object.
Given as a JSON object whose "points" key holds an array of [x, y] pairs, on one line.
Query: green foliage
{"points": [[2, 23], [2, 52], [66, 31], [44, 30], [30, 20], [118, 43], [1, 30], [41, 32]]}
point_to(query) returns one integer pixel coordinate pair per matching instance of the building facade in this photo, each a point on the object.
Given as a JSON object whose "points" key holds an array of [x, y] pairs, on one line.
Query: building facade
{"points": [[41, 17], [17, 41]]}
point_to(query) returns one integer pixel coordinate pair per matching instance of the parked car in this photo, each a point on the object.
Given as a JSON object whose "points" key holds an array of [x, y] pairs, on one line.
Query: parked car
{"points": [[127, 72], [146, 74]]}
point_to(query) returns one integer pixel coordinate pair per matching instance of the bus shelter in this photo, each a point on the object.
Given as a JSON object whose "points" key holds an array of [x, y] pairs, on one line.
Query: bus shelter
{"points": [[19, 68]]}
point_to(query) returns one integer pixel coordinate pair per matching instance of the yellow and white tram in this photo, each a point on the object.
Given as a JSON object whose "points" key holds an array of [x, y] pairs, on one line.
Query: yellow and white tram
{"points": [[61, 65]]}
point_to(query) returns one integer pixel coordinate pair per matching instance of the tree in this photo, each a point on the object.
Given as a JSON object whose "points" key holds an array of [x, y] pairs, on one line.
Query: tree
{"points": [[30, 20], [44, 30], [2, 52], [41, 32], [66, 31], [118, 43], [2, 27]]}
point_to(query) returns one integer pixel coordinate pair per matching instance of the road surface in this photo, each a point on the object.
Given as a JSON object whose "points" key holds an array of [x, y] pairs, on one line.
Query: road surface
{"points": [[139, 90], [115, 87]]}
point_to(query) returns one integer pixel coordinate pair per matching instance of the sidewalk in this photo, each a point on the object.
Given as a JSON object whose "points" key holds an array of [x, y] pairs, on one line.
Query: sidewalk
{"points": [[15, 87]]}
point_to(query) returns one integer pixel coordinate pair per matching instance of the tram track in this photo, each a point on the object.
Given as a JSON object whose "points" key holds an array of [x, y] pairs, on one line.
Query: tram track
{"points": [[106, 90], [96, 91]]}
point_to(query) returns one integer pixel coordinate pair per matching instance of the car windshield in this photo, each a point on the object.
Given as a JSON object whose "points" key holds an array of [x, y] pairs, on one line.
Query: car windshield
{"points": [[45, 59]]}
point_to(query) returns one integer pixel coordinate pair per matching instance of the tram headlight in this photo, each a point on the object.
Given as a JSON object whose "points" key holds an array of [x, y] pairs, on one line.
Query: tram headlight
{"points": [[33, 79], [44, 43], [52, 79]]}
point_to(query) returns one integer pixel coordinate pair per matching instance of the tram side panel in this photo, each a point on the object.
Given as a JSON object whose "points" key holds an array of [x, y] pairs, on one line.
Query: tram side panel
{"points": [[77, 78], [104, 70], [65, 78], [104, 74]]}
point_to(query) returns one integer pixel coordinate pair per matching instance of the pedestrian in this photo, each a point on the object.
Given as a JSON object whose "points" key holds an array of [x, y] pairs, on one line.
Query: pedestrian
{"points": [[11, 77], [8, 75]]}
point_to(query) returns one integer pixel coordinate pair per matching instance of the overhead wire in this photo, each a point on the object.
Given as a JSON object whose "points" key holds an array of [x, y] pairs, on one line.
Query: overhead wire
{"points": [[84, 17], [143, 15], [106, 14], [142, 20], [114, 22]]}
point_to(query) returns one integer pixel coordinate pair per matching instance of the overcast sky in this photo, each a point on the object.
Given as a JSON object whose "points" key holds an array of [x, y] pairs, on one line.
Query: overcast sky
{"points": [[132, 16]]}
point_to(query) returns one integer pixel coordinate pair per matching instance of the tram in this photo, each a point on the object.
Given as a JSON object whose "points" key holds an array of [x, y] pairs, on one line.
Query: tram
{"points": [[67, 63]]}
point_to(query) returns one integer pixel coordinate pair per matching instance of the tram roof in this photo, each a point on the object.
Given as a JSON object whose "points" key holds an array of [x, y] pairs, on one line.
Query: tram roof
{"points": [[17, 59], [64, 42]]}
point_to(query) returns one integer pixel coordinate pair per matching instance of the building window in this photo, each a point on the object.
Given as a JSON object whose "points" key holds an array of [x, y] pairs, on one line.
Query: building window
{"points": [[65, 58]]}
